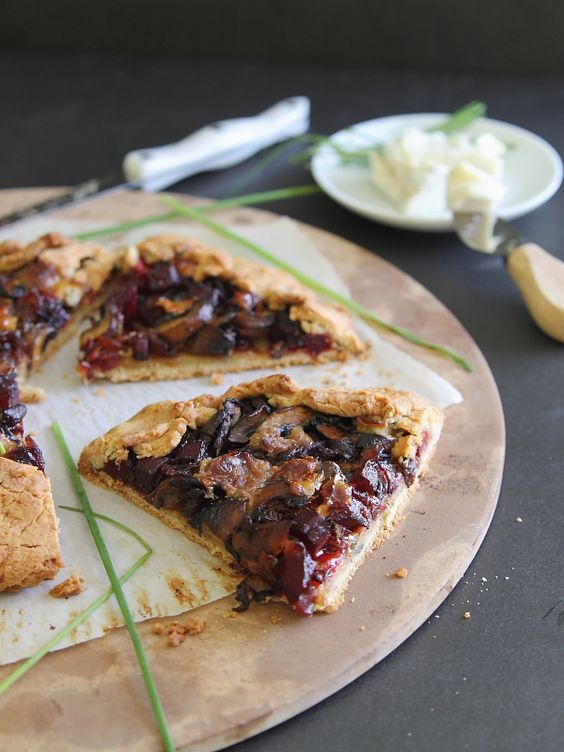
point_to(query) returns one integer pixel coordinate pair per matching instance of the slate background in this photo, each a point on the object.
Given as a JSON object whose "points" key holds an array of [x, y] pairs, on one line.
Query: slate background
{"points": [[496, 682]]}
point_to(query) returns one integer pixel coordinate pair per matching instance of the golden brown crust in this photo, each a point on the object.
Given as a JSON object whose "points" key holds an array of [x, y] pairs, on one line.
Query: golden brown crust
{"points": [[185, 365], [29, 538], [156, 429]]}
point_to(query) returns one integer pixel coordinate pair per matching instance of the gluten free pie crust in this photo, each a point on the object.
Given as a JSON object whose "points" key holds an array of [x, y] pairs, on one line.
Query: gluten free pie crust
{"points": [[292, 487]]}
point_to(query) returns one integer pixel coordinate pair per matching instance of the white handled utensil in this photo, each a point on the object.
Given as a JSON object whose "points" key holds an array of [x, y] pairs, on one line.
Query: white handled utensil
{"points": [[214, 147], [538, 275]]}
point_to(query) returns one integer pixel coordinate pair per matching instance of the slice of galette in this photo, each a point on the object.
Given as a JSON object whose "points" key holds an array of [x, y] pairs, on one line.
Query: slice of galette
{"points": [[45, 287], [181, 308], [292, 486], [29, 537]]}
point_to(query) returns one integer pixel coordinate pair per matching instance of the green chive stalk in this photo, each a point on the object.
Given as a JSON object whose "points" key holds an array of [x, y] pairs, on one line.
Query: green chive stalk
{"points": [[59, 636], [351, 305], [262, 197], [146, 672]]}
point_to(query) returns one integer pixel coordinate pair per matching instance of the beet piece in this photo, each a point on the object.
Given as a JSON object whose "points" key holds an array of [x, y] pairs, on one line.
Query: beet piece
{"points": [[147, 472], [221, 518], [162, 276], [314, 344], [211, 340], [294, 569], [125, 299], [181, 492], [9, 391], [285, 333], [345, 507], [376, 477], [139, 342], [312, 530]]}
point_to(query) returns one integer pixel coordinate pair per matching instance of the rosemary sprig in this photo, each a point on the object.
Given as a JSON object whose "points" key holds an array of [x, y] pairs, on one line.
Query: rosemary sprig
{"points": [[262, 197], [83, 615], [351, 305], [118, 592]]}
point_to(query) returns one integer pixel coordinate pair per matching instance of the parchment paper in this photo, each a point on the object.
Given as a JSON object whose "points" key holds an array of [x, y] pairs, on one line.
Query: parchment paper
{"points": [[180, 575]]}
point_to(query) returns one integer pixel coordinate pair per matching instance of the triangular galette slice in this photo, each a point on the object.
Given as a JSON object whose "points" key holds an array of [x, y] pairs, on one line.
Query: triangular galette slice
{"points": [[292, 486], [181, 308], [29, 536]]}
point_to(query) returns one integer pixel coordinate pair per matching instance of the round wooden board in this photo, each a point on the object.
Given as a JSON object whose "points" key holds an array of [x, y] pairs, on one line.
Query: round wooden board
{"points": [[245, 674]]}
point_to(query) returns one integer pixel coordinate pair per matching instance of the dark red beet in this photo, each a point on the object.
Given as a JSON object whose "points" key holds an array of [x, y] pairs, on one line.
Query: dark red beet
{"points": [[312, 529], [162, 276], [139, 342], [294, 569]]}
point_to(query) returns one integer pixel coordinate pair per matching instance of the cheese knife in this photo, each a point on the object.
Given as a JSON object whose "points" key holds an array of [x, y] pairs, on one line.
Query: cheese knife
{"points": [[214, 147], [538, 275]]}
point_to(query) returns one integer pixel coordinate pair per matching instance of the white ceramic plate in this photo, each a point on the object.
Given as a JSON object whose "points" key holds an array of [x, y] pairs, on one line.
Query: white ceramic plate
{"points": [[533, 171]]}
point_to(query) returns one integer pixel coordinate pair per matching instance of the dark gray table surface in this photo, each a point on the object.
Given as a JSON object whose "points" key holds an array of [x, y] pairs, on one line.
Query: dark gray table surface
{"points": [[496, 681]]}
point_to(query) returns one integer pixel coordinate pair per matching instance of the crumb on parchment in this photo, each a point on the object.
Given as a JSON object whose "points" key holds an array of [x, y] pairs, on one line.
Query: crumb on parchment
{"points": [[100, 392], [217, 378], [178, 631], [73, 585]]}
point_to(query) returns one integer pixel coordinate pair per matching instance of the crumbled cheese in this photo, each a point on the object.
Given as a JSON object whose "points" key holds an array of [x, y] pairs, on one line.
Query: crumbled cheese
{"points": [[425, 172]]}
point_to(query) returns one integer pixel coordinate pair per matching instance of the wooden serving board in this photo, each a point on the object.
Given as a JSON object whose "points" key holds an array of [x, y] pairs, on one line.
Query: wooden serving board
{"points": [[245, 674]]}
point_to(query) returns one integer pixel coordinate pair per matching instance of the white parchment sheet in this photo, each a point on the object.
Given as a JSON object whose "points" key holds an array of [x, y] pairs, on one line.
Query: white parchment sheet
{"points": [[180, 575]]}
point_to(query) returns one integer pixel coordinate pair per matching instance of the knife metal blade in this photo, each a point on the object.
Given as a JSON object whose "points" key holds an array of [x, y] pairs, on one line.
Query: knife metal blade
{"points": [[213, 147], [80, 192], [483, 231]]}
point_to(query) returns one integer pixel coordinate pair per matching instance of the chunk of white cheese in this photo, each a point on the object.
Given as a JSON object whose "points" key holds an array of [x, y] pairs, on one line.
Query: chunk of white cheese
{"points": [[421, 171]]}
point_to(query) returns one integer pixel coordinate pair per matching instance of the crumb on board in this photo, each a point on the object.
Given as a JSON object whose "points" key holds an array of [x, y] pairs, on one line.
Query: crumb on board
{"points": [[467, 614], [178, 631], [401, 573], [217, 378], [73, 585], [518, 519], [362, 628]]}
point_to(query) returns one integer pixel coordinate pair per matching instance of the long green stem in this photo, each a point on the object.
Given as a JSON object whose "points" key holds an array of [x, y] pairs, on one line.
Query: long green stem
{"points": [[263, 197], [351, 305], [118, 592], [57, 638]]}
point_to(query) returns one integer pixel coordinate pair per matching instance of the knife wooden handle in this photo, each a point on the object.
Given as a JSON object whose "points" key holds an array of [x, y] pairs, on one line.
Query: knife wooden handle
{"points": [[540, 278]]}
